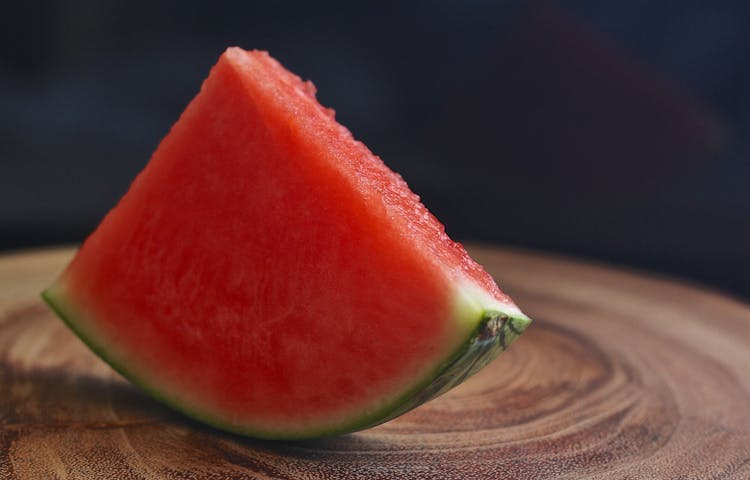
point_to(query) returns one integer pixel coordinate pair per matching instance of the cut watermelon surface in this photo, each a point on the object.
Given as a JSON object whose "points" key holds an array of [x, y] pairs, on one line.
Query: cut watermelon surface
{"points": [[268, 275]]}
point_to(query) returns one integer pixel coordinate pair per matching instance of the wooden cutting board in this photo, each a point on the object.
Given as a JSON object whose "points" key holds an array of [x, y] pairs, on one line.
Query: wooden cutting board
{"points": [[622, 376]]}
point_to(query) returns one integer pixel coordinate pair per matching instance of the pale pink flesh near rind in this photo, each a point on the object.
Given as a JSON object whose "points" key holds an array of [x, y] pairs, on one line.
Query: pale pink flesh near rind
{"points": [[494, 332]]}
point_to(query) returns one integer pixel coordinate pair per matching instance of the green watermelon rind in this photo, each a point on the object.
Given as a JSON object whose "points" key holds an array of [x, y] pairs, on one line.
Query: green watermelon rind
{"points": [[494, 332]]}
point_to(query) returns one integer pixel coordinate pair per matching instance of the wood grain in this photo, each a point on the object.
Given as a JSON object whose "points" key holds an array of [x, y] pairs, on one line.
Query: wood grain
{"points": [[622, 376]]}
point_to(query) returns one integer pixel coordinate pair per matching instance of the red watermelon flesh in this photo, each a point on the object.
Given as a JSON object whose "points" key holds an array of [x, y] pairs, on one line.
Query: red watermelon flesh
{"points": [[267, 274]]}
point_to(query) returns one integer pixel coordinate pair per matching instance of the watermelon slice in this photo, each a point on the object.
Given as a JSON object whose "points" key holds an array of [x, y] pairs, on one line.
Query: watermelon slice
{"points": [[268, 275]]}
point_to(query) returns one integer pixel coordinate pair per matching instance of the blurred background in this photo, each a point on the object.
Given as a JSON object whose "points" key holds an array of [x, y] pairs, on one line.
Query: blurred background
{"points": [[617, 131]]}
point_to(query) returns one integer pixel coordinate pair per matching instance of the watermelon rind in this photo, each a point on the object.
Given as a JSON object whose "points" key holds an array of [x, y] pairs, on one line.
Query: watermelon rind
{"points": [[494, 329]]}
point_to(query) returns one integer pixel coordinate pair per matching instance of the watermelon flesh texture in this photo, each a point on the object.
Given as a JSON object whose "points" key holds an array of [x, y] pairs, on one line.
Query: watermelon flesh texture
{"points": [[267, 274]]}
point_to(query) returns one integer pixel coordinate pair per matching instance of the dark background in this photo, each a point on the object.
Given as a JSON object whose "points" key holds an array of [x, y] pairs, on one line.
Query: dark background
{"points": [[618, 131]]}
